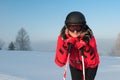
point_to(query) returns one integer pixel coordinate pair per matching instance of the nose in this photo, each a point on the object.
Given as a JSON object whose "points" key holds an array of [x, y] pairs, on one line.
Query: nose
{"points": [[75, 31]]}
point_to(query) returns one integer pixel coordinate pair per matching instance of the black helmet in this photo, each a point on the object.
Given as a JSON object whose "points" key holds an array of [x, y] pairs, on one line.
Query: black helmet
{"points": [[75, 18]]}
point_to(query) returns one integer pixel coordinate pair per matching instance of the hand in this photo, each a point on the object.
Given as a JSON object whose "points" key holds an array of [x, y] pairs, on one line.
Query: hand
{"points": [[71, 40], [70, 43], [80, 44]]}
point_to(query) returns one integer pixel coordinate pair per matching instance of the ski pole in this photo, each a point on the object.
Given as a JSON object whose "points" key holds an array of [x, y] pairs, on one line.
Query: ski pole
{"points": [[83, 65], [65, 70], [66, 65]]}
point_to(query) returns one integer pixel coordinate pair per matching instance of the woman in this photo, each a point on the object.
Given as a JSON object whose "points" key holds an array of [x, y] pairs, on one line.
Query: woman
{"points": [[77, 33]]}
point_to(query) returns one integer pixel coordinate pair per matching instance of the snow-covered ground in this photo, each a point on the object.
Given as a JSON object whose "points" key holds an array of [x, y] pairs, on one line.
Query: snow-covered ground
{"points": [[35, 65]]}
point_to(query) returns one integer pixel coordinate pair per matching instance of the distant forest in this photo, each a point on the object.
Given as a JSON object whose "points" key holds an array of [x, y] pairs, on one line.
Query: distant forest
{"points": [[22, 42]]}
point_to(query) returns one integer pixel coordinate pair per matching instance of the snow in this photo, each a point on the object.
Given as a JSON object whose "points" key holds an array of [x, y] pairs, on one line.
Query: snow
{"points": [[36, 65], [9, 77]]}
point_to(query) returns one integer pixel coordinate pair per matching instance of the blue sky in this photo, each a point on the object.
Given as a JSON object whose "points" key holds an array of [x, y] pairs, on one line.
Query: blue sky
{"points": [[43, 19]]}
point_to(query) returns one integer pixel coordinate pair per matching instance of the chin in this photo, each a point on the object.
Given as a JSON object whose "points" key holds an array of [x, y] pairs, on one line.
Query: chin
{"points": [[75, 36]]}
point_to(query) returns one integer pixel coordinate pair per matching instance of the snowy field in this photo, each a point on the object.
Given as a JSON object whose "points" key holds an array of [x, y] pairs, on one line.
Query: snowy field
{"points": [[35, 65]]}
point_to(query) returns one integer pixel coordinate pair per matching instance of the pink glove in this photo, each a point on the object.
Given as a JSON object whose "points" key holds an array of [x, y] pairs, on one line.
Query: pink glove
{"points": [[80, 44], [71, 40]]}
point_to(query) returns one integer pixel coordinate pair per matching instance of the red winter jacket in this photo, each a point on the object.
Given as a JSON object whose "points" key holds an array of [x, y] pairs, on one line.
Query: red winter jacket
{"points": [[91, 58]]}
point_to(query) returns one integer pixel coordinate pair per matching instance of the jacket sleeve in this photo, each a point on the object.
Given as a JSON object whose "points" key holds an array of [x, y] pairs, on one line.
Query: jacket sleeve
{"points": [[61, 52], [93, 44], [92, 56]]}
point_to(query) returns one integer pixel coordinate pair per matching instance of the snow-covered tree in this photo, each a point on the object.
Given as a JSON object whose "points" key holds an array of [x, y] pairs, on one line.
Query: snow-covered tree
{"points": [[22, 40], [11, 46], [116, 48], [1, 43]]}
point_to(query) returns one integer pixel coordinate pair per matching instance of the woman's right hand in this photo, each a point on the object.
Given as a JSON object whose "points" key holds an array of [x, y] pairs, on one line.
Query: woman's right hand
{"points": [[71, 40]]}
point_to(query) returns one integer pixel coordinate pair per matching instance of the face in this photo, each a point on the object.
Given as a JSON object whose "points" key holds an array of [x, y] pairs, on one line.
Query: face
{"points": [[74, 30], [74, 34]]}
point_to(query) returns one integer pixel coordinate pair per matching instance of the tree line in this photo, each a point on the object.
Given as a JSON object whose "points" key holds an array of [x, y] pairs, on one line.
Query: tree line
{"points": [[22, 42]]}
